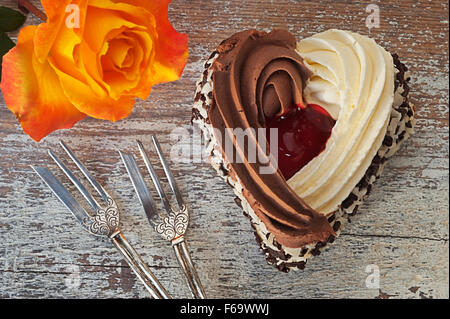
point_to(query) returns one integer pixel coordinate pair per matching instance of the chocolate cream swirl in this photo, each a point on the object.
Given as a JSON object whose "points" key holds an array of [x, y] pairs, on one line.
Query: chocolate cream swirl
{"points": [[258, 75]]}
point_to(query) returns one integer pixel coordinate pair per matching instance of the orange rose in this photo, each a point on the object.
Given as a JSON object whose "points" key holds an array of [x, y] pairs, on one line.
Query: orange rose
{"points": [[91, 57]]}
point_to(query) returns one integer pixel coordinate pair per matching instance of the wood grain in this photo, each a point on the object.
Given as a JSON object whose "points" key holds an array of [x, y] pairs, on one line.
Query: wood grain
{"points": [[403, 227]]}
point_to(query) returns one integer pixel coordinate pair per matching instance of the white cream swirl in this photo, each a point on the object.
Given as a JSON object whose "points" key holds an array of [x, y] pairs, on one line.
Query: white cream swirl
{"points": [[353, 79]]}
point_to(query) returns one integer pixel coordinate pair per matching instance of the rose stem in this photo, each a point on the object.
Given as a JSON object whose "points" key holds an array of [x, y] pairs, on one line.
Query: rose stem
{"points": [[25, 4]]}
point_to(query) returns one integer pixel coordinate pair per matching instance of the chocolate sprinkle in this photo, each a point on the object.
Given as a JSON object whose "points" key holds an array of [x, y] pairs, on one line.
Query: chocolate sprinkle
{"points": [[238, 201]]}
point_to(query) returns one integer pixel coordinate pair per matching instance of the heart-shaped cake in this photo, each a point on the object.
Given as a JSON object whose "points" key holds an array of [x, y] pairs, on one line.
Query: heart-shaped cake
{"points": [[301, 131]]}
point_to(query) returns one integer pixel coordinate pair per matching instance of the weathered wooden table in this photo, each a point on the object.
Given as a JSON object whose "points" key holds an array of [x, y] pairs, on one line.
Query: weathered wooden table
{"points": [[403, 227]]}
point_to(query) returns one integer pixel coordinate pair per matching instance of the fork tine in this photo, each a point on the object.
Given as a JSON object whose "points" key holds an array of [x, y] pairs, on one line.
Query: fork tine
{"points": [[85, 172], [155, 179], [75, 181], [62, 194], [172, 182], [140, 187]]}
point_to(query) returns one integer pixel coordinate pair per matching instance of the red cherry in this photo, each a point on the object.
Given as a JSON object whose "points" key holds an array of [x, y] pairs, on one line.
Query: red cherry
{"points": [[302, 135]]}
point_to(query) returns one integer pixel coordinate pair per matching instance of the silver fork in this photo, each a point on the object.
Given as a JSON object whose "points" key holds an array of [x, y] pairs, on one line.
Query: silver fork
{"points": [[171, 226], [103, 222]]}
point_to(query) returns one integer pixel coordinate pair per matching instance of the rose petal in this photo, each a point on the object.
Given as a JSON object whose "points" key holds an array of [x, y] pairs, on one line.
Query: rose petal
{"points": [[32, 90], [85, 100], [125, 79], [119, 52], [65, 52], [171, 50], [46, 32], [108, 25]]}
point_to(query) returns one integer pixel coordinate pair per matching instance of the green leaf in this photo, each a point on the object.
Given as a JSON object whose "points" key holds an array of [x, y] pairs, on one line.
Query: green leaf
{"points": [[10, 19], [6, 44]]}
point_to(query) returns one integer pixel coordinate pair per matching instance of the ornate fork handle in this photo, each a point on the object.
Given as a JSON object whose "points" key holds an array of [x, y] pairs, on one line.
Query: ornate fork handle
{"points": [[105, 221], [174, 225], [139, 267], [173, 228], [185, 261]]}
